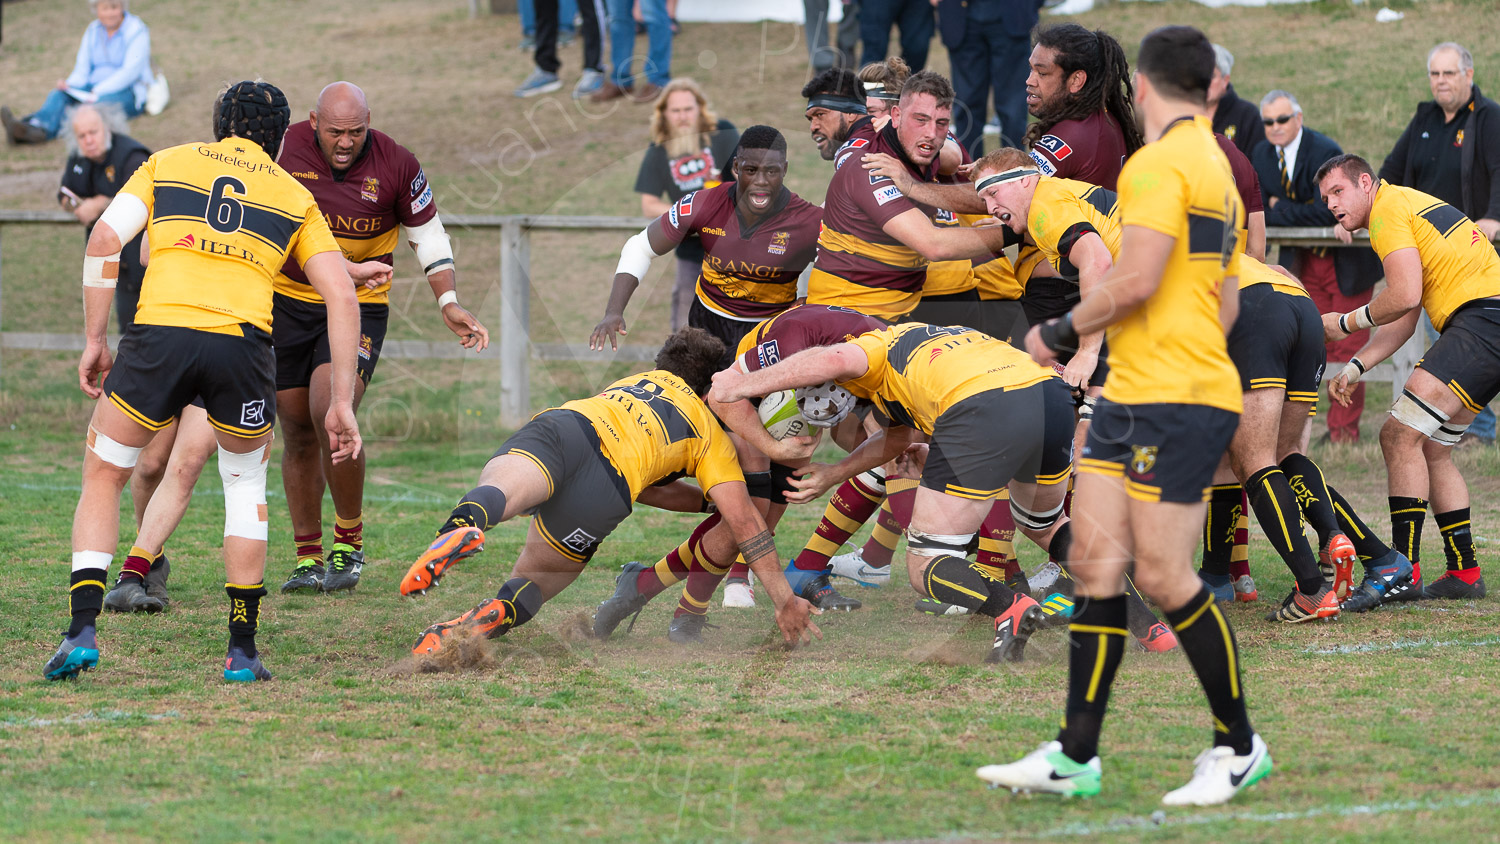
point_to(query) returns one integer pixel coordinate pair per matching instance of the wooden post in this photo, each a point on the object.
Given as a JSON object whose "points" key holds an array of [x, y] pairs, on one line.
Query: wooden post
{"points": [[515, 317]]}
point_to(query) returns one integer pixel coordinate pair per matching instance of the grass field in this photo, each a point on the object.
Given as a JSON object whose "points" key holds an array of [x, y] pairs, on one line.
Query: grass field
{"points": [[1382, 725]]}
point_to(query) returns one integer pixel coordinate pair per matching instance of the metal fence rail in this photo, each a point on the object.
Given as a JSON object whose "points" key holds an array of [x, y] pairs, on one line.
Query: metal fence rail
{"points": [[515, 351]]}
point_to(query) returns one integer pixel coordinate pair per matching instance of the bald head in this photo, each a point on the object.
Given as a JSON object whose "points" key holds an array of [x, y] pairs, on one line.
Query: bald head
{"points": [[91, 133], [341, 122]]}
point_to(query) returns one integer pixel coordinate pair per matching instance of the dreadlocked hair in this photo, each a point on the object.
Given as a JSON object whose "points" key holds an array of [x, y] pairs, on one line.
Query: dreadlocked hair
{"points": [[1106, 88], [256, 111]]}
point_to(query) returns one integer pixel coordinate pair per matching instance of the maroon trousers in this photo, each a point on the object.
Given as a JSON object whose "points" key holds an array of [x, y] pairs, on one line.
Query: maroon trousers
{"points": [[1317, 275]]}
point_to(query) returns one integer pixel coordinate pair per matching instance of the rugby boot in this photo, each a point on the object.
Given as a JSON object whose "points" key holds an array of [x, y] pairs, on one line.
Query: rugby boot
{"points": [[1450, 587], [344, 566], [1045, 575], [1046, 769], [929, 606], [1382, 576], [852, 566], [156, 580], [239, 668], [1336, 563], [1244, 589], [129, 595], [1299, 607], [483, 620], [1058, 609], [687, 629], [307, 575], [1159, 639], [76, 654], [1013, 629], [738, 594], [1219, 774], [813, 587], [1018, 582], [450, 547], [1220, 585], [627, 602]]}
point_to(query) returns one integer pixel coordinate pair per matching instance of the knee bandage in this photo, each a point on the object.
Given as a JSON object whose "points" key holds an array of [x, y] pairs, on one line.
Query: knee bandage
{"points": [[781, 482], [1086, 408], [1420, 416], [1035, 521], [937, 544], [244, 477], [112, 452], [873, 478]]}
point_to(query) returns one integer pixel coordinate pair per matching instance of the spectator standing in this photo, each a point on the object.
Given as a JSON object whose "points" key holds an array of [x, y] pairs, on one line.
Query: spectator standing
{"points": [[113, 66], [1338, 279], [990, 42], [658, 68], [690, 145], [567, 14], [1451, 150], [543, 78], [915, 19], [1234, 117]]}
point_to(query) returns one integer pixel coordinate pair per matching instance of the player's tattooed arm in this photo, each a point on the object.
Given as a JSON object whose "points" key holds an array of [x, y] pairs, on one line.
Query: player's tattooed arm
{"points": [[758, 545]]}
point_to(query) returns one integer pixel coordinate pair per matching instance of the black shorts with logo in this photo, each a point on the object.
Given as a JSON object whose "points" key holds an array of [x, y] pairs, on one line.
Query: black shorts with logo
{"points": [[731, 331], [589, 497], [1466, 355], [159, 369], [1164, 452], [300, 330], [1277, 343], [970, 457]]}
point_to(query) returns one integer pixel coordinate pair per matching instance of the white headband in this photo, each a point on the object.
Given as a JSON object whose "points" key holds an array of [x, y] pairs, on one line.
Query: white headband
{"points": [[1008, 176]]}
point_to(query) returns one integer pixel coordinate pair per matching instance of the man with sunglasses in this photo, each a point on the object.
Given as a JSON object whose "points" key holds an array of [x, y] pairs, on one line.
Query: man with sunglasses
{"points": [[1337, 279]]}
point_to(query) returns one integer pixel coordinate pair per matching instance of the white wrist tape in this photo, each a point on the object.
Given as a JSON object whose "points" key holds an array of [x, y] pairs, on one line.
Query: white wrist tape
{"points": [[1357, 320], [101, 272], [636, 255], [126, 215], [449, 297], [244, 478], [434, 247]]}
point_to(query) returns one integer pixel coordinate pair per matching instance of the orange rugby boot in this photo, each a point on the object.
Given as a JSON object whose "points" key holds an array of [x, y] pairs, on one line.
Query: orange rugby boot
{"points": [[447, 549]]}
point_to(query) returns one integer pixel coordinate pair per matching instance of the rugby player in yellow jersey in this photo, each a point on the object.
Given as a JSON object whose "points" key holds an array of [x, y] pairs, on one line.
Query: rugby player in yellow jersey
{"points": [[1436, 260], [952, 387], [1169, 410], [579, 468], [221, 218]]}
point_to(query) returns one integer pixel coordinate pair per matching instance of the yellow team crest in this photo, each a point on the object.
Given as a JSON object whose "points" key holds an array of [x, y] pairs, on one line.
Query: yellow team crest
{"points": [[1142, 458], [370, 189], [1229, 131], [109, 172], [779, 242]]}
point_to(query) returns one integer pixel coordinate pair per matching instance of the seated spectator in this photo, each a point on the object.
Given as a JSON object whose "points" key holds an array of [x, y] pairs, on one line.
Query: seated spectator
{"points": [[1337, 279], [113, 66], [100, 161], [690, 146]]}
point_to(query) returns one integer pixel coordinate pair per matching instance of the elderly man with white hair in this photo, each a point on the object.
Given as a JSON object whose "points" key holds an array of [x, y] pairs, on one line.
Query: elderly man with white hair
{"points": [[113, 66], [1235, 118]]}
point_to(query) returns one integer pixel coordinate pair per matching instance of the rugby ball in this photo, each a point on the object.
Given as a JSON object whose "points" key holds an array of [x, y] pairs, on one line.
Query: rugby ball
{"points": [[780, 416]]}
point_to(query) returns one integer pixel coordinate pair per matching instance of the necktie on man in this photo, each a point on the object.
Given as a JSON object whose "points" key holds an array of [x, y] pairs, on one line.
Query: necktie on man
{"points": [[1286, 181]]}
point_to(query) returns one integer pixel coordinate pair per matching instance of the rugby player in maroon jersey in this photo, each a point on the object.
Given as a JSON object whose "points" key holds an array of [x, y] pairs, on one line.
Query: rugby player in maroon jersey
{"points": [[368, 187], [769, 466]]}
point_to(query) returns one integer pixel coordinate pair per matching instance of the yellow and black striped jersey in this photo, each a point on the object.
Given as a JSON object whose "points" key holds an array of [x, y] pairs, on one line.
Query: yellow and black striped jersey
{"points": [[652, 426], [1253, 272], [221, 218], [1172, 348], [1063, 210], [1459, 264], [917, 371]]}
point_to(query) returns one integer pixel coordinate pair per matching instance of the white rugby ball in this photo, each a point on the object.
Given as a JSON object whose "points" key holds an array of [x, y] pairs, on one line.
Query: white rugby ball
{"points": [[780, 416]]}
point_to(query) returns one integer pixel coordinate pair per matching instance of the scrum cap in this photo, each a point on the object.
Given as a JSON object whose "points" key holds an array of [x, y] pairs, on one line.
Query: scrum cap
{"points": [[255, 111]]}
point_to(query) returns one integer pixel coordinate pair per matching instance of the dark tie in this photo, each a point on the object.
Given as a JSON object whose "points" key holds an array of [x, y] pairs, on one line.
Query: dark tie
{"points": [[1286, 182]]}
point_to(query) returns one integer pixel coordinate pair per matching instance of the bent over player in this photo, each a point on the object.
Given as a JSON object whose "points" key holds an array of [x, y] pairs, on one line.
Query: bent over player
{"points": [[580, 467], [220, 217], [368, 187], [1436, 260]]}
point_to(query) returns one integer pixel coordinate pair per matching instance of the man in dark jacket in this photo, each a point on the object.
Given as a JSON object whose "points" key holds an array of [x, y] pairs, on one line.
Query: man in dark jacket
{"points": [[1235, 118], [101, 163], [1451, 149], [1286, 164], [990, 41]]}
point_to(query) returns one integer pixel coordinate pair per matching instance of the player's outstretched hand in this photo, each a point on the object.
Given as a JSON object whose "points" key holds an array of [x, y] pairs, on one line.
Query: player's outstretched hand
{"points": [[370, 274], [1332, 333], [911, 462], [343, 432], [611, 328], [812, 480], [471, 334], [728, 386], [795, 620], [1080, 369], [886, 166], [793, 448], [1037, 349], [93, 367]]}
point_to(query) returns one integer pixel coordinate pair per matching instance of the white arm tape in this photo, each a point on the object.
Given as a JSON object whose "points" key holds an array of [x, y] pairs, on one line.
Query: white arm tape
{"points": [[802, 281], [126, 215], [449, 297], [434, 249], [635, 257], [93, 270]]}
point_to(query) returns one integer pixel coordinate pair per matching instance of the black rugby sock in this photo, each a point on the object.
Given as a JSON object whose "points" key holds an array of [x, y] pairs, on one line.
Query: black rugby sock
{"points": [[1367, 544], [1407, 516], [1139, 617], [522, 599], [1307, 481], [1097, 644], [956, 581], [244, 614], [1458, 540], [85, 598], [482, 507], [1207, 639], [1280, 518], [1219, 527]]}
